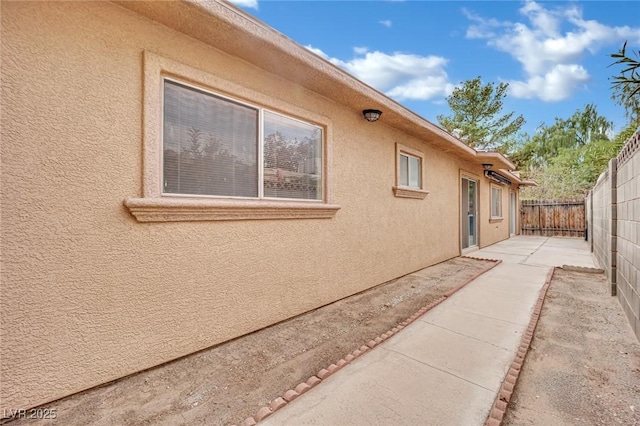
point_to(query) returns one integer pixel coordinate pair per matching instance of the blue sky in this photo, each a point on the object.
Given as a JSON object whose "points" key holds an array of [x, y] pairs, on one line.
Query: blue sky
{"points": [[554, 55]]}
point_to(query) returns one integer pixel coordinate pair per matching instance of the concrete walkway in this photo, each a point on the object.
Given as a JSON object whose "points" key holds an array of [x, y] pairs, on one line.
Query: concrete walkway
{"points": [[445, 368]]}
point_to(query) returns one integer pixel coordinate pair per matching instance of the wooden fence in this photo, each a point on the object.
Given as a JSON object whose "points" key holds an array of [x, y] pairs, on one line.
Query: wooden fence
{"points": [[550, 218]]}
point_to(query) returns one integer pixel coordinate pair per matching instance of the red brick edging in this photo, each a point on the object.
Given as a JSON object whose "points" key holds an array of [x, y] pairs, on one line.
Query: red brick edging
{"points": [[324, 373], [499, 408]]}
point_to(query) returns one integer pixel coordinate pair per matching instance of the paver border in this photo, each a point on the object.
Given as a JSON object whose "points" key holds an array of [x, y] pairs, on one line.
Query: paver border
{"points": [[303, 387], [501, 403]]}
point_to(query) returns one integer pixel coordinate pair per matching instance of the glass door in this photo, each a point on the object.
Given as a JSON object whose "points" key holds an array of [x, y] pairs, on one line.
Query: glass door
{"points": [[469, 213]]}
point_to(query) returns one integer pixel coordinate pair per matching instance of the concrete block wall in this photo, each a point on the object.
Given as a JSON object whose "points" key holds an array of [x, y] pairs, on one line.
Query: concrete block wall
{"points": [[600, 231], [615, 227], [628, 236]]}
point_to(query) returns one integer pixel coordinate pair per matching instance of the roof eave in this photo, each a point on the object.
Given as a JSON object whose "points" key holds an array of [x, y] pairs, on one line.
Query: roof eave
{"points": [[235, 32]]}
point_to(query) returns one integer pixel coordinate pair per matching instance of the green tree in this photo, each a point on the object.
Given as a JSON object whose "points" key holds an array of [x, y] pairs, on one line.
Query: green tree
{"points": [[567, 157], [573, 171], [579, 130], [477, 115], [626, 85]]}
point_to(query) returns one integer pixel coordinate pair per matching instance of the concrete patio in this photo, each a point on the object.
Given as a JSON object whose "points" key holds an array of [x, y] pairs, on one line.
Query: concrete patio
{"points": [[446, 368]]}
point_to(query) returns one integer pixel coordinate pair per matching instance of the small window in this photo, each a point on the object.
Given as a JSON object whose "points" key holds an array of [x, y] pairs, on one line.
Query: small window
{"points": [[409, 173], [496, 202]]}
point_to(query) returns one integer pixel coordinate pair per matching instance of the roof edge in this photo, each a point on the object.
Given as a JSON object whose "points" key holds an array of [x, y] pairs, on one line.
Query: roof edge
{"points": [[249, 32]]}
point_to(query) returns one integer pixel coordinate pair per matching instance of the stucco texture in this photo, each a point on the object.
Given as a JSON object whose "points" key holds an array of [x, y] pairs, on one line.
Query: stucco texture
{"points": [[89, 294]]}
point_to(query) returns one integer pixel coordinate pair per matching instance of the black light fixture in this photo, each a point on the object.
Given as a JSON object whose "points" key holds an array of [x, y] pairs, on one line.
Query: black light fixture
{"points": [[487, 166], [497, 177], [371, 114]]}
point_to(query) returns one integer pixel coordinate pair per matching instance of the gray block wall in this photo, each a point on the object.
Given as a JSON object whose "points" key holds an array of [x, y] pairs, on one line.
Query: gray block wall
{"points": [[628, 238], [600, 232], [615, 227]]}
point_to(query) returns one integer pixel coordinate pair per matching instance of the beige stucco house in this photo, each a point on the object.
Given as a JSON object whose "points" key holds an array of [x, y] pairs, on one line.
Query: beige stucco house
{"points": [[177, 174]]}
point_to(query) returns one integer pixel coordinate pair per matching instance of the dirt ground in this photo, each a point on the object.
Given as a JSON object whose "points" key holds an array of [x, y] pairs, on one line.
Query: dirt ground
{"points": [[583, 367], [226, 384]]}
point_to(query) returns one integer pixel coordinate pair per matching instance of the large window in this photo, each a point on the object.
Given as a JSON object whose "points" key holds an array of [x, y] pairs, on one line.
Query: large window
{"points": [[210, 157], [496, 202], [215, 146]]}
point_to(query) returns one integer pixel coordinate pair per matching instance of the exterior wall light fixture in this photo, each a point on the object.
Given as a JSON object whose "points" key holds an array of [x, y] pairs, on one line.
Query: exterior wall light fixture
{"points": [[371, 114], [487, 166]]}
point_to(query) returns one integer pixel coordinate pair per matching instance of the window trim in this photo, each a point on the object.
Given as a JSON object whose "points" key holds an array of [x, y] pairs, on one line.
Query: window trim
{"points": [[491, 216], [404, 191], [154, 206]]}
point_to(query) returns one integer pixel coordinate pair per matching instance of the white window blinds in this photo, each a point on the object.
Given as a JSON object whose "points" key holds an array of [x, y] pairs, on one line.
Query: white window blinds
{"points": [[209, 144]]}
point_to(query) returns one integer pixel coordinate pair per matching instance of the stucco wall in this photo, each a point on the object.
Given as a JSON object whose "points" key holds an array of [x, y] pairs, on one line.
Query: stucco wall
{"points": [[494, 230], [628, 236], [89, 294]]}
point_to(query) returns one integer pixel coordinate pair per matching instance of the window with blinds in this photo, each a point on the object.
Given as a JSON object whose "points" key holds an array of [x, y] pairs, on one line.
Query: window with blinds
{"points": [[211, 146]]}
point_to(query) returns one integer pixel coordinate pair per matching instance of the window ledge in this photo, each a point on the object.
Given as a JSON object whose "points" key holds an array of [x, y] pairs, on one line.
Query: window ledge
{"points": [[496, 219], [404, 192], [187, 210]]}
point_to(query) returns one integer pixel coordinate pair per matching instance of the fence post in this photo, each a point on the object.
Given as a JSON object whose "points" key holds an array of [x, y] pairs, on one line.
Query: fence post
{"points": [[613, 176], [540, 217]]}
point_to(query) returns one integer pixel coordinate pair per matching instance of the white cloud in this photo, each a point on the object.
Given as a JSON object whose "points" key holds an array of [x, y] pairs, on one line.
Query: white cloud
{"points": [[547, 54], [400, 75], [360, 50], [253, 4], [541, 18], [483, 27], [557, 84], [387, 23], [425, 88], [318, 52]]}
